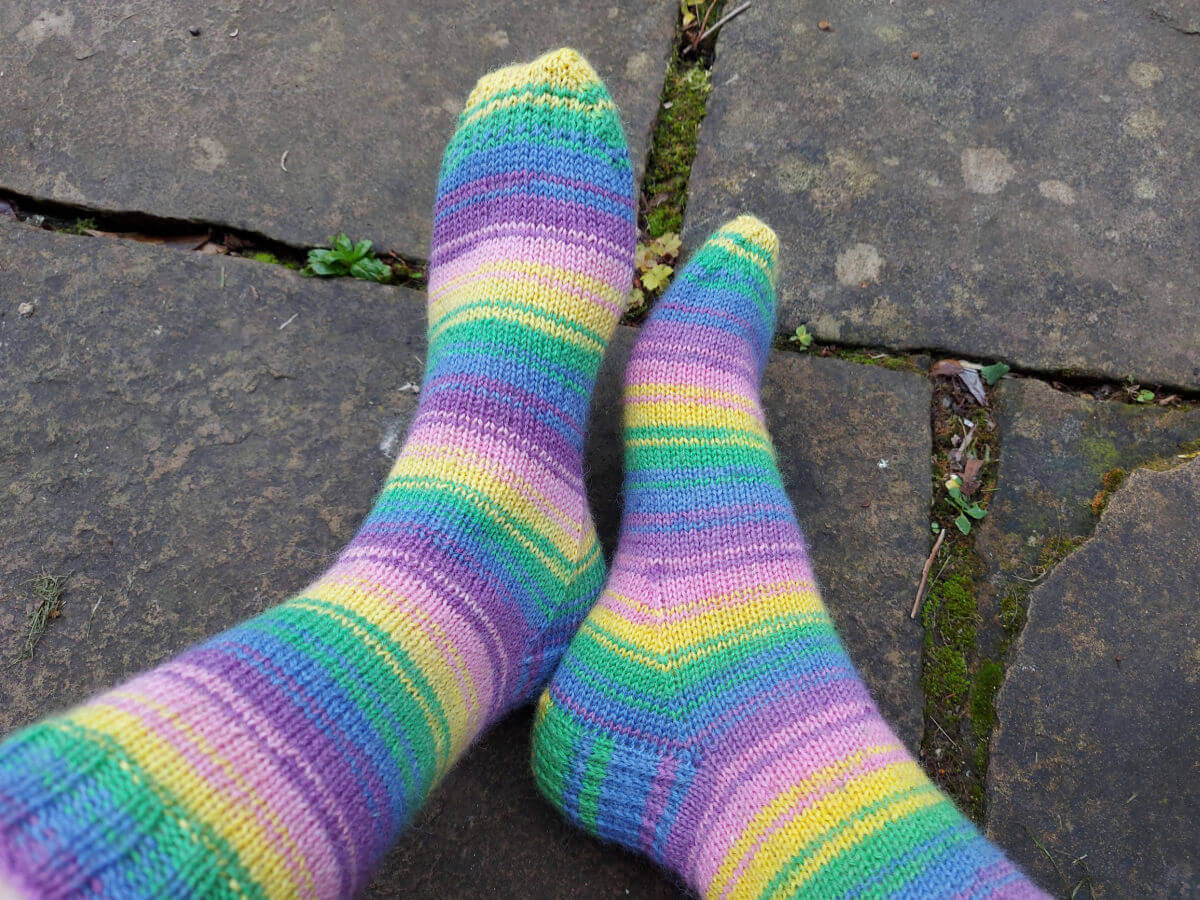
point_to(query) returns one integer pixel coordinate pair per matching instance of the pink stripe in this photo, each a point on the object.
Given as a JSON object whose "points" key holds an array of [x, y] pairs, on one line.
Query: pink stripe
{"points": [[802, 804], [426, 611], [321, 856], [221, 731], [656, 801]]}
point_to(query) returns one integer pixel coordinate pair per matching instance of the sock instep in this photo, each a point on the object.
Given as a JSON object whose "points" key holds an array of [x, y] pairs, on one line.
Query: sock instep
{"points": [[706, 715]]}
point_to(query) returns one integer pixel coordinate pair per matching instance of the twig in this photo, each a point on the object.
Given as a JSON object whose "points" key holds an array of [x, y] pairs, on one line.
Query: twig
{"points": [[925, 573], [706, 34], [943, 731], [288, 322]]}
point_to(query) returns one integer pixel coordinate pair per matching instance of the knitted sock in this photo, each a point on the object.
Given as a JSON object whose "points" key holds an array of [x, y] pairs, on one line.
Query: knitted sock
{"points": [[284, 756], [706, 714]]}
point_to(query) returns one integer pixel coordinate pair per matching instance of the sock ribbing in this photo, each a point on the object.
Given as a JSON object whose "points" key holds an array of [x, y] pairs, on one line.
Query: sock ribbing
{"points": [[706, 715], [282, 757]]}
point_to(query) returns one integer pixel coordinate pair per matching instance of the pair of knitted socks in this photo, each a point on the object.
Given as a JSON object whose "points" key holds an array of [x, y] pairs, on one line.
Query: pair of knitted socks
{"points": [[704, 714]]}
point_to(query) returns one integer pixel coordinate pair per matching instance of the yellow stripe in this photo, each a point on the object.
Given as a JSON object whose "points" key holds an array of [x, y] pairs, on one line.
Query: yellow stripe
{"points": [[744, 609], [498, 515], [656, 389], [523, 278], [512, 497], [681, 413], [562, 68], [530, 100], [232, 819], [447, 752], [822, 818]]}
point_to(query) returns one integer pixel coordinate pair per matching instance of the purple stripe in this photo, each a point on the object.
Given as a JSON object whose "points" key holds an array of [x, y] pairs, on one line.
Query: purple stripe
{"points": [[513, 177], [306, 786], [323, 752]]}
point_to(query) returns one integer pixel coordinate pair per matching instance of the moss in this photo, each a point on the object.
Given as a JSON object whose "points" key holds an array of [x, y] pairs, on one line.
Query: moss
{"points": [[1100, 452], [983, 697], [1056, 548], [269, 258], [944, 678], [950, 617], [1012, 610], [1110, 481], [673, 146]]}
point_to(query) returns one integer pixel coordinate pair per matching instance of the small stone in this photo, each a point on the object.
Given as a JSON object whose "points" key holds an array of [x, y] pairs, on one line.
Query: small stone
{"points": [[194, 31], [25, 310], [823, 25]]}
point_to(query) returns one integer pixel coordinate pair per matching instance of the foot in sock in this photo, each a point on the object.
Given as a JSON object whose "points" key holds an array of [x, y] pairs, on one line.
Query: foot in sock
{"points": [[706, 714], [283, 756]]}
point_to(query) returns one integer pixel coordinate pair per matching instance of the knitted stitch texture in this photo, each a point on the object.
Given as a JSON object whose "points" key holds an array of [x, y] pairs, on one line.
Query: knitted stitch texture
{"points": [[706, 715], [283, 757]]}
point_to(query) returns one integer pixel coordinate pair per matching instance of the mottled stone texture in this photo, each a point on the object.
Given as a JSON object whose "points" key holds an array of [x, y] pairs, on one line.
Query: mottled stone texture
{"points": [[1095, 757], [163, 439], [116, 105], [1056, 450], [1025, 190]]}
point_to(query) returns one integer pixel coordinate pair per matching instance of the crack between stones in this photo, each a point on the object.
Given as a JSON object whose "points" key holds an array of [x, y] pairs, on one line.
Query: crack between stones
{"points": [[53, 216]]}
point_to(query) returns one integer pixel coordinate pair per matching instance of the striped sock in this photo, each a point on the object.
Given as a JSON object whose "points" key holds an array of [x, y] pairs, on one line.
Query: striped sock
{"points": [[706, 714], [282, 757]]}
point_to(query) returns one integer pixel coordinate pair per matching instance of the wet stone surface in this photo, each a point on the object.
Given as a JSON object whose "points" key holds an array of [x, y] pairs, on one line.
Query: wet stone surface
{"points": [[192, 462], [1095, 756], [122, 107], [1056, 451], [1022, 191]]}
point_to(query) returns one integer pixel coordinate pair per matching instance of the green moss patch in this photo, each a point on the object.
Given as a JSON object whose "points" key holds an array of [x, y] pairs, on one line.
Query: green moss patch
{"points": [[673, 145]]}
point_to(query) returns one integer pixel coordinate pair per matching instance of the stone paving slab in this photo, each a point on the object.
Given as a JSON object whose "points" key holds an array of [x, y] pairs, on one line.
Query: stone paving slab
{"points": [[193, 459], [116, 105], [1095, 757], [1022, 191], [1056, 449]]}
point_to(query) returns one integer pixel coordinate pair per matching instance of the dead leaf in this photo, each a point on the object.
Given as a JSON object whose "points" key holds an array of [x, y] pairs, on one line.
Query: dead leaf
{"points": [[947, 367], [212, 247], [974, 384], [970, 476]]}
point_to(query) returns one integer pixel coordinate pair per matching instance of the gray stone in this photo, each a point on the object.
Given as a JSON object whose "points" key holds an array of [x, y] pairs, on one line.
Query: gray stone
{"points": [[1095, 756], [1056, 449], [193, 454], [120, 108], [1022, 191], [164, 439]]}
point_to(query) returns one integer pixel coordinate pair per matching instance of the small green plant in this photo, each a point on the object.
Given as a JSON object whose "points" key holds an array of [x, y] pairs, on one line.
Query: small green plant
{"points": [[81, 226], [802, 337], [653, 265], [993, 373], [1144, 396], [347, 258], [967, 509]]}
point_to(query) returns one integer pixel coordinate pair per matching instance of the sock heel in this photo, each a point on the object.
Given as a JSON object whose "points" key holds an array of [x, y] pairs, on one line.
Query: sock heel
{"points": [[614, 787]]}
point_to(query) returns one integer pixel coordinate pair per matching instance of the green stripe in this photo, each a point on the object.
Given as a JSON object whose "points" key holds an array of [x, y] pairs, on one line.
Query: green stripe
{"points": [[593, 780], [207, 864], [844, 871]]}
